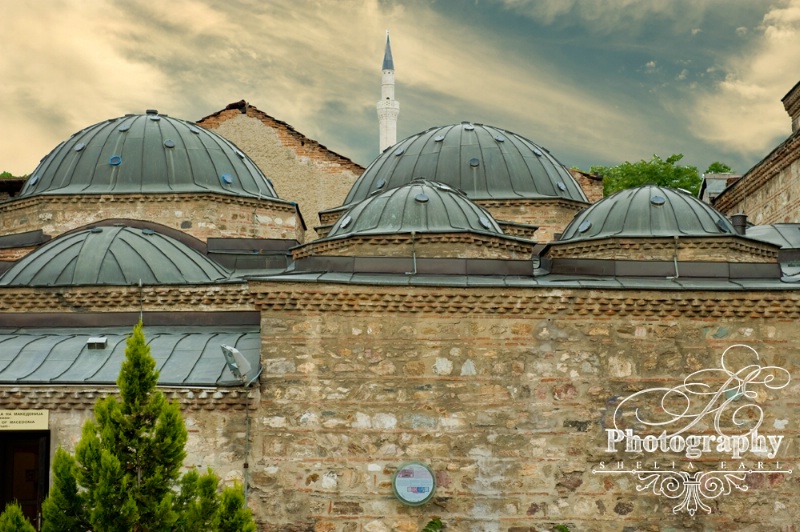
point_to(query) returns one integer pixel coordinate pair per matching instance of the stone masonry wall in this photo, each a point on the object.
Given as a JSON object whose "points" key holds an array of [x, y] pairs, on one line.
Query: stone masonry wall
{"points": [[195, 214], [551, 216], [300, 169], [506, 395]]}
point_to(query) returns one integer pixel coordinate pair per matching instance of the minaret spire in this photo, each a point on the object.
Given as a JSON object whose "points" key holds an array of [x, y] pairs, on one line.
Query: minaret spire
{"points": [[388, 107]]}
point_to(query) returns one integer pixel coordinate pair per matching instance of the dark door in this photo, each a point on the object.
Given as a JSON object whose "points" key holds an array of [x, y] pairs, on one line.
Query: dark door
{"points": [[24, 467]]}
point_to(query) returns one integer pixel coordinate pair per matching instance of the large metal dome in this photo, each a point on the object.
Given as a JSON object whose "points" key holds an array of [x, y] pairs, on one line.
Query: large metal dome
{"points": [[116, 255], [421, 206], [648, 211], [484, 162], [149, 153]]}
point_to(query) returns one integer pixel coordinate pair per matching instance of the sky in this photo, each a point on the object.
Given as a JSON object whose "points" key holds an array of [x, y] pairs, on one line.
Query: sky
{"points": [[597, 82]]}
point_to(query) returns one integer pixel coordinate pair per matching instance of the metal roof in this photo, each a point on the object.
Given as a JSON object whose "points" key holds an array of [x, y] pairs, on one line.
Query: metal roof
{"points": [[388, 64], [786, 235], [149, 153], [186, 356], [483, 161], [114, 255], [648, 211], [421, 206]]}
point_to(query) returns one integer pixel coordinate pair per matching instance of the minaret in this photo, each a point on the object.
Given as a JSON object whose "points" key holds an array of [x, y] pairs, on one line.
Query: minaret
{"points": [[388, 107]]}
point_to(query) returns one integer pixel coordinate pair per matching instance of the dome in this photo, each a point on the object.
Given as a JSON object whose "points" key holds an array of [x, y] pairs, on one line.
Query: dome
{"points": [[114, 255], [149, 153], [648, 211], [483, 161], [421, 206]]}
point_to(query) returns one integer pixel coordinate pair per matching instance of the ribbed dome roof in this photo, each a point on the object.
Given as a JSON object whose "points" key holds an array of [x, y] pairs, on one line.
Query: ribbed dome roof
{"points": [[148, 153], [645, 212], [421, 206], [113, 256], [483, 161]]}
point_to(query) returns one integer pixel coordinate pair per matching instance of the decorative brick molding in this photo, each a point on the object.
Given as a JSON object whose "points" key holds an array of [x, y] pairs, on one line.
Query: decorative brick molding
{"points": [[712, 249], [350, 299], [69, 398], [463, 245], [126, 299]]}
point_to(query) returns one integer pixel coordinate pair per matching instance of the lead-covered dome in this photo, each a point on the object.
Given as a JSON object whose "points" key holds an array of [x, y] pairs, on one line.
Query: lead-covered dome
{"points": [[484, 162], [421, 206], [116, 255], [648, 211], [149, 153]]}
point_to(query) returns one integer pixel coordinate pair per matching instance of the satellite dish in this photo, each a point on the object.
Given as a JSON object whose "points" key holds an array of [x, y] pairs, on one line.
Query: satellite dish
{"points": [[237, 364]]}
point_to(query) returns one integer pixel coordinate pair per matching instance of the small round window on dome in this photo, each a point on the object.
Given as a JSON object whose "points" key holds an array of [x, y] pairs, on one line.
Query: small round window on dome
{"points": [[345, 222], [33, 180], [123, 128], [469, 127], [169, 143], [422, 198], [194, 130], [381, 183], [240, 154], [722, 226], [561, 186], [585, 226], [148, 232], [474, 162], [115, 160], [399, 152], [154, 118], [79, 147], [95, 230], [485, 222], [227, 178], [499, 138], [537, 152], [438, 138], [658, 200]]}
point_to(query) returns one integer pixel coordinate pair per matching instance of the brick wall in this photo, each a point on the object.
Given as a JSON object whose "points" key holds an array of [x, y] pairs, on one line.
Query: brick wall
{"points": [[300, 169]]}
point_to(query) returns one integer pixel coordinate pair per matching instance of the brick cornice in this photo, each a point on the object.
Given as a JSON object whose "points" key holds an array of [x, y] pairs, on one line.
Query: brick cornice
{"points": [[70, 398], [233, 296], [431, 300], [758, 176]]}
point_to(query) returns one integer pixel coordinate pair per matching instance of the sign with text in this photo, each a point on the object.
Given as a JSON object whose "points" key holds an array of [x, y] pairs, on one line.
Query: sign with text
{"points": [[24, 419]]}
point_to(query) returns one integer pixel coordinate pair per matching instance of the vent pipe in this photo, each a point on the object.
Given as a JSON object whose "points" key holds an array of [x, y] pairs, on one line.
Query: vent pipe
{"points": [[739, 222]]}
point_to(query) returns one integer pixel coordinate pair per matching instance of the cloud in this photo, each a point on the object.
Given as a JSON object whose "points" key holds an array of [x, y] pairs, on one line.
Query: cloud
{"points": [[682, 75], [743, 111], [741, 31]]}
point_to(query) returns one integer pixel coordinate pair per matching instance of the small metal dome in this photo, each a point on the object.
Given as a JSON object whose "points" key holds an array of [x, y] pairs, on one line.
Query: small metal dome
{"points": [[421, 206], [113, 256], [149, 153], [648, 211], [483, 161]]}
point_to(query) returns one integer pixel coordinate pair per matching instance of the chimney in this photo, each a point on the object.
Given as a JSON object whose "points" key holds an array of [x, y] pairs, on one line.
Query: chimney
{"points": [[791, 102], [739, 222]]}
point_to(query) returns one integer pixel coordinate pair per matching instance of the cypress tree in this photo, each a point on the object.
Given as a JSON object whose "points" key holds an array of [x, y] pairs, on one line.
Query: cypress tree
{"points": [[125, 475], [13, 520]]}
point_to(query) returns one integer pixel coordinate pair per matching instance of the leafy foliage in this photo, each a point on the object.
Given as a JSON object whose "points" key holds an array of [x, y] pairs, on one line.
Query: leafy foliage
{"points": [[127, 465], [718, 168], [13, 520], [655, 171], [434, 525]]}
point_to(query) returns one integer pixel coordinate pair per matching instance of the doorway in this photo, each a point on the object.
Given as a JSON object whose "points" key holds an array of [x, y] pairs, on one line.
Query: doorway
{"points": [[24, 470]]}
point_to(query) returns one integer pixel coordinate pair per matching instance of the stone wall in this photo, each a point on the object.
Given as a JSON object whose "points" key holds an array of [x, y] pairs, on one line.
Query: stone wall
{"points": [[770, 192], [550, 216], [199, 215], [300, 169], [506, 394]]}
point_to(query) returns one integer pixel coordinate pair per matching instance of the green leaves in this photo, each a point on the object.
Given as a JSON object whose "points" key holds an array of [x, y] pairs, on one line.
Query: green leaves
{"points": [[655, 171], [13, 520]]}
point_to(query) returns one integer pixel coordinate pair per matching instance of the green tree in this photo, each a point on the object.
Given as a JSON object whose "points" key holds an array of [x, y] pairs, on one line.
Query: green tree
{"points": [[13, 520], [655, 171], [718, 168], [125, 475]]}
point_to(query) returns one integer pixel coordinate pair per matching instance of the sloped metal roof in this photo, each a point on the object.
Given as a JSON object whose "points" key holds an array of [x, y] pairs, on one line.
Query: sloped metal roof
{"points": [[648, 211], [421, 206], [786, 235], [388, 63], [185, 356], [114, 256], [483, 161], [148, 153]]}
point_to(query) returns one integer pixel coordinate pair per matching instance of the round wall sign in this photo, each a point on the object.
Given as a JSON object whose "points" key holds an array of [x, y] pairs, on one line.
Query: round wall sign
{"points": [[414, 484]]}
